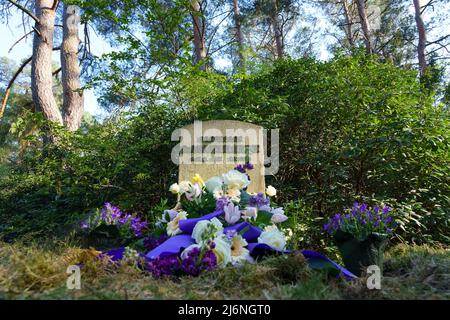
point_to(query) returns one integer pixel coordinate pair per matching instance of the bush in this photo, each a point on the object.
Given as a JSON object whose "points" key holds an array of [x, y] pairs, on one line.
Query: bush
{"points": [[350, 128]]}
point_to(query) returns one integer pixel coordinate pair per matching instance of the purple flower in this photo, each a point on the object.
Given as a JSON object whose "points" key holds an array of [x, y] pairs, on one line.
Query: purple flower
{"points": [[166, 265], [84, 225], [259, 200], [209, 261], [222, 202]]}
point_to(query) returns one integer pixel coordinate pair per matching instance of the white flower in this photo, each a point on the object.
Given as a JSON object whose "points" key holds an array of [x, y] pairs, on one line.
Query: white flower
{"points": [[218, 194], [213, 184], [234, 195], [232, 213], [184, 186], [235, 180], [271, 191], [278, 215], [205, 230], [186, 251], [239, 253], [250, 212], [273, 237], [194, 192], [174, 188], [173, 227], [288, 233], [222, 250]]}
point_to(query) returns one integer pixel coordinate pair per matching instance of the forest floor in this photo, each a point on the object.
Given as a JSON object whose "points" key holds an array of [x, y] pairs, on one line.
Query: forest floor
{"points": [[39, 272]]}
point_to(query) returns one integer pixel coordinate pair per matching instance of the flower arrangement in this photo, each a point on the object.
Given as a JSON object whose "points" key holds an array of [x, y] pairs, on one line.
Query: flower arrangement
{"points": [[361, 221], [361, 235], [222, 237], [129, 226], [216, 223]]}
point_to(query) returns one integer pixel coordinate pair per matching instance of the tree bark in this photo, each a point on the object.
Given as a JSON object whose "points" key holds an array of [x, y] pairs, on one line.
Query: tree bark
{"points": [[41, 67], [364, 24], [421, 46], [199, 34], [239, 36], [348, 24], [73, 100], [276, 30]]}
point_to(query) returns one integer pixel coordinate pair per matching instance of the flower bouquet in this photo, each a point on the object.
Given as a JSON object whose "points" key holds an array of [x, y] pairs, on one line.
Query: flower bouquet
{"points": [[216, 223], [237, 228], [361, 235], [110, 227]]}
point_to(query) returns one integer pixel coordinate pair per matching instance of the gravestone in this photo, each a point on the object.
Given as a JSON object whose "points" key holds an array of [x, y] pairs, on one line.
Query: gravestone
{"points": [[212, 148]]}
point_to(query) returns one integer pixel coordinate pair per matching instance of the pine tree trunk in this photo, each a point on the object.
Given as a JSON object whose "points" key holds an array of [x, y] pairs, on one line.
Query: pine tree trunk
{"points": [[73, 103], [41, 67], [276, 30], [239, 37], [421, 46], [364, 24], [348, 24], [199, 35]]}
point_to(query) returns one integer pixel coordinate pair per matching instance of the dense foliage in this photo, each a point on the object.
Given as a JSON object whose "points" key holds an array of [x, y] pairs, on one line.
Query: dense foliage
{"points": [[350, 128]]}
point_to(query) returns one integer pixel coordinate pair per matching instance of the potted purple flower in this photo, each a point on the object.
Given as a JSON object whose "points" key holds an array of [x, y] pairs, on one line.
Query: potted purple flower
{"points": [[361, 235]]}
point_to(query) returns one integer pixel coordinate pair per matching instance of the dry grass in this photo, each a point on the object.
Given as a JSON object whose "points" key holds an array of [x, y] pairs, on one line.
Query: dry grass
{"points": [[39, 272]]}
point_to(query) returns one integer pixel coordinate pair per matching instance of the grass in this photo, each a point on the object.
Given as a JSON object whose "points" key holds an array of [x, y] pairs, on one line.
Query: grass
{"points": [[39, 272]]}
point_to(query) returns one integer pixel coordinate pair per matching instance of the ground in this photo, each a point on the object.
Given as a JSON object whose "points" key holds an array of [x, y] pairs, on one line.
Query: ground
{"points": [[39, 272]]}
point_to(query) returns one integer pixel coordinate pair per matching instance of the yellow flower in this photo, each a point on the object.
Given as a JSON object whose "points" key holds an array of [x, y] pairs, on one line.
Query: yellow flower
{"points": [[197, 179]]}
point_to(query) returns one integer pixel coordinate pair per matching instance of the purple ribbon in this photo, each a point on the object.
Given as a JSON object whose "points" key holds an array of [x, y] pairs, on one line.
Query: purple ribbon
{"points": [[187, 225], [172, 245], [176, 244], [251, 233]]}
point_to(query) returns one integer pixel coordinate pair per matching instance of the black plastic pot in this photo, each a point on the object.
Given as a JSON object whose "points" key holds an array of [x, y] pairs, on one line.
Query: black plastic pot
{"points": [[359, 254]]}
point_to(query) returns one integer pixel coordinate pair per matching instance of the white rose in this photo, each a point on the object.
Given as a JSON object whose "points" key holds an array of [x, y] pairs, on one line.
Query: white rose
{"points": [[173, 227], [271, 191], [235, 180], [222, 250], [174, 188], [213, 184], [273, 237], [204, 226]]}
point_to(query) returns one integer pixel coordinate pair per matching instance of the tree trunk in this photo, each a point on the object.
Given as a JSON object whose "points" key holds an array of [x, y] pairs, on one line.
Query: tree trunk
{"points": [[421, 46], [364, 24], [276, 30], [73, 100], [239, 37], [348, 24], [41, 67], [199, 34]]}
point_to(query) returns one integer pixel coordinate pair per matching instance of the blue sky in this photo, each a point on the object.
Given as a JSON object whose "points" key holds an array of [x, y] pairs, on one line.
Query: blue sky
{"points": [[14, 30]]}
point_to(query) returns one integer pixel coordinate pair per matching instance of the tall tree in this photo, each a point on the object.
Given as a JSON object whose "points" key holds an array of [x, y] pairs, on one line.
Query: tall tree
{"points": [[422, 42], [277, 29], [361, 4], [73, 103], [199, 27], [41, 65], [239, 35]]}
